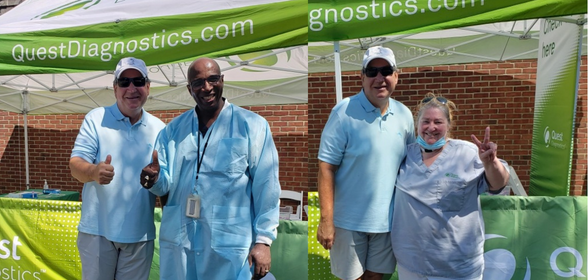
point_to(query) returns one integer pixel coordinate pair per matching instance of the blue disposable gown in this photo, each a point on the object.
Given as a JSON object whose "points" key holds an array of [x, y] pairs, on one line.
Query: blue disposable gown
{"points": [[239, 189]]}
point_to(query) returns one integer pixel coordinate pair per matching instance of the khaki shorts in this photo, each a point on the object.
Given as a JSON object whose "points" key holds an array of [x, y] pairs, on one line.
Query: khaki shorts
{"points": [[103, 259], [355, 252]]}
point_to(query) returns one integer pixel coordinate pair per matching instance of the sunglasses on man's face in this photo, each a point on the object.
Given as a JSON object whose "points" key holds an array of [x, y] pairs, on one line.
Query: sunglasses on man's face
{"points": [[371, 72], [441, 100], [126, 82], [199, 83]]}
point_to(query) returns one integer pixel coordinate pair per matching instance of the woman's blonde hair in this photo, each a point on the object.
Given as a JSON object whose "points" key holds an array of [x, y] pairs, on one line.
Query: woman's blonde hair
{"points": [[436, 101]]}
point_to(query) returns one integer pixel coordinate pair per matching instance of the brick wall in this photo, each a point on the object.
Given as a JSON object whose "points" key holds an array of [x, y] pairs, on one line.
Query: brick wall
{"points": [[51, 139], [499, 95]]}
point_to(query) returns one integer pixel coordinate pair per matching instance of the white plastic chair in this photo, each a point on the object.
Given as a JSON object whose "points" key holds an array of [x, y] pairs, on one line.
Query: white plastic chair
{"points": [[298, 196], [515, 184]]}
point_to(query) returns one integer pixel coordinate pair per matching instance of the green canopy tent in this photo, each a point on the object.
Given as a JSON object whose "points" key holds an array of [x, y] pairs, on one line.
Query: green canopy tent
{"points": [[58, 56], [352, 19], [426, 33]]}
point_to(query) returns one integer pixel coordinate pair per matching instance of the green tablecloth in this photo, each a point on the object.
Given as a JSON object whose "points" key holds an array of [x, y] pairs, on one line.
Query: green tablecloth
{"points": [[63, 195]]}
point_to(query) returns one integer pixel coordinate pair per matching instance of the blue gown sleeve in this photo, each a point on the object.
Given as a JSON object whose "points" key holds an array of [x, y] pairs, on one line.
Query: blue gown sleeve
{"points": [[162, 146], [264, 172]]}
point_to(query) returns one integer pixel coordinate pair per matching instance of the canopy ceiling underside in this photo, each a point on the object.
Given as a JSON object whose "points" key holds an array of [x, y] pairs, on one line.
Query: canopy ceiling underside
{"points": [[489, 42], [267, 77]]}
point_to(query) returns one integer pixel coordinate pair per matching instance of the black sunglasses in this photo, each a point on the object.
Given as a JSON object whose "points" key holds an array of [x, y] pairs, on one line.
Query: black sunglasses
{"points": [[137, 82], [371, 72], [199, 83], [441, 100]]}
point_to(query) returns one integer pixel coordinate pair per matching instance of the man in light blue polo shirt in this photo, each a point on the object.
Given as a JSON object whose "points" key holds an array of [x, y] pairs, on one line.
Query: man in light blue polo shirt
{"points": [[362, 146], [117, 230]]}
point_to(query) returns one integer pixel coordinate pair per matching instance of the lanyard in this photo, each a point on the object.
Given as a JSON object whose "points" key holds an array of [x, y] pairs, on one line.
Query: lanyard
{"points": [[198, 157]]}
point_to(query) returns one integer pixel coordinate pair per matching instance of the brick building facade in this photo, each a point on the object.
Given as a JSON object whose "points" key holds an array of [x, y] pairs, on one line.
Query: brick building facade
{"points": [[51, 138]]}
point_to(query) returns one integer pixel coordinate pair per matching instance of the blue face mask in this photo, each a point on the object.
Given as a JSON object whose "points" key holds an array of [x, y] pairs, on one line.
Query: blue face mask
{"points": [[437, 145]]}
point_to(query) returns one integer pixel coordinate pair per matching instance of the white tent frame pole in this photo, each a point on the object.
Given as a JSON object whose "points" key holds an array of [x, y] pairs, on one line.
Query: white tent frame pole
{"points": [[338, 82], [25, 105], [580, 21]]}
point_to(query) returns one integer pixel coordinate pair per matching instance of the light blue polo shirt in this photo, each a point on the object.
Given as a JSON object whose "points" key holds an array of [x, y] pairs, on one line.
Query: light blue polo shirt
{"points": [[121, 211], [368, 148]]}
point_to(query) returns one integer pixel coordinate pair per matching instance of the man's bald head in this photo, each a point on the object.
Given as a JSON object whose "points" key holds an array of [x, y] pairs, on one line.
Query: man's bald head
{"points": [[202, 65]]}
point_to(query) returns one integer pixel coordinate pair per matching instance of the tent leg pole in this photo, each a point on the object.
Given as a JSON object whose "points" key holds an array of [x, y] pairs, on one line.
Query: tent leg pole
{"points": [[26, 136], [25, 110], [338, 82]]}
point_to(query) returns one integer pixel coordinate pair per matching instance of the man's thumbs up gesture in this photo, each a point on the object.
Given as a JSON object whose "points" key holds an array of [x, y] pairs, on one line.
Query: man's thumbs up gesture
{"points": [[105, 171], [150, 173]]}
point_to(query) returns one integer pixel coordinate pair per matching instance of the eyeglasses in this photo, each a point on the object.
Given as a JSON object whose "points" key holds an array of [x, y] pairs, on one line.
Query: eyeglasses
{"points": [[213, 80], [125, 82], [371, 72], [441, 100]]}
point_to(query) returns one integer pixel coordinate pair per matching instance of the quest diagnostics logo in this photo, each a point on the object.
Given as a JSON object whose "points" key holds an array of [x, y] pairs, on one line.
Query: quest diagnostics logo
{"points": [[501, 264], [553, 138], [376, 9], [71, 6], [261, 61], [267, 68], [140, 43], [9, 250]]}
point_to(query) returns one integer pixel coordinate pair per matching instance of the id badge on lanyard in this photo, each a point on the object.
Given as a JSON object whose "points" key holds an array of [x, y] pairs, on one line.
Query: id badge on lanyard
{"points": [[193, 206], [193, 202]]}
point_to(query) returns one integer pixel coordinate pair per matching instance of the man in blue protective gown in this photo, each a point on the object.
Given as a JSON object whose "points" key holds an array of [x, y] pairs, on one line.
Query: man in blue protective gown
{"points": [[218, 165]]}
